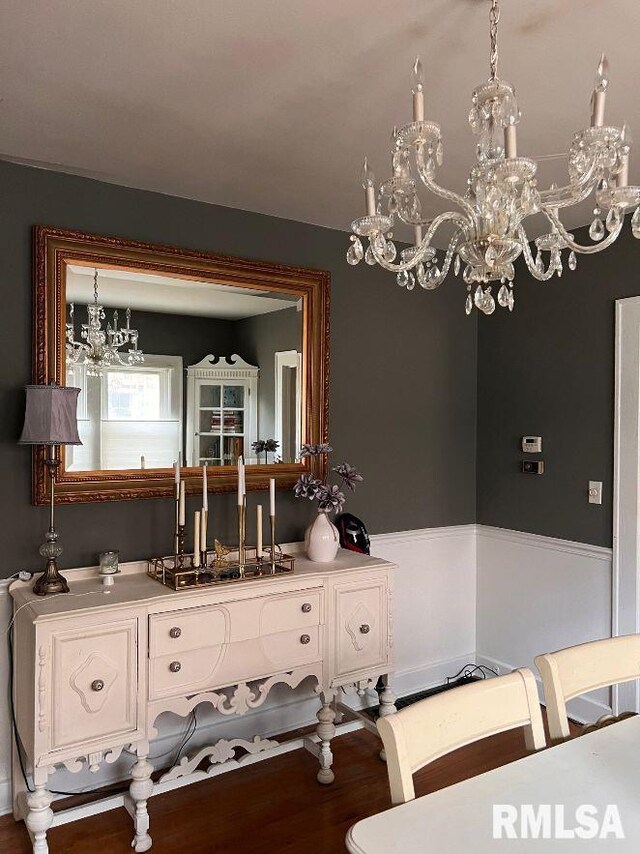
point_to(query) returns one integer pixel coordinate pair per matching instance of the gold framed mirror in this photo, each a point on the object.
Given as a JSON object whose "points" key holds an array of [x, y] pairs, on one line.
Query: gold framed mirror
{"points": [[199, 354]]}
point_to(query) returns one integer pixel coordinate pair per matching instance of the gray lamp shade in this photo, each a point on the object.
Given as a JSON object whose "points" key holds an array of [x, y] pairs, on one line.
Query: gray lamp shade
{"points": [[50, 416]]}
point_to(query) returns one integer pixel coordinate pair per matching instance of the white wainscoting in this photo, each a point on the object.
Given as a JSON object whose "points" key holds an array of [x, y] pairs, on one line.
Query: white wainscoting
{"points": [[434, 636], [538, 594]]}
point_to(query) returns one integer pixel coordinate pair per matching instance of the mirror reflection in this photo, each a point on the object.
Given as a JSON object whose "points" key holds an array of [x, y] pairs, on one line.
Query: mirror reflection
{"points": [[168, 365]]}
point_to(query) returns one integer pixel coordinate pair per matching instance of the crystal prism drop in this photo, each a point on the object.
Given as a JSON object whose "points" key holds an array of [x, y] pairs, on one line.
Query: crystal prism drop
{"points": [[468, 307], [635, 223], [380, 243], [433, 277], [572, 262], [511, 301], [503, 296], [478, 296], [421, 276], [352, 256], [390, 251], [613, 219], [490, 255], [369, 257], [596, 229], [488, 303], [456, 265], [402, 278], [468, 274], [412, 282], [439, 153]]}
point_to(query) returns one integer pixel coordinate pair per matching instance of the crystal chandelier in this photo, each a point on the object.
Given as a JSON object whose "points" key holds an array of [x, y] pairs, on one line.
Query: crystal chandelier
{"points": [[98, 348], [502, 191]]}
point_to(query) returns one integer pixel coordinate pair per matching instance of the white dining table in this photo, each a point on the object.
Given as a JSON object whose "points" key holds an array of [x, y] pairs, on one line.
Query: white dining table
{"points": [[600, 770]]}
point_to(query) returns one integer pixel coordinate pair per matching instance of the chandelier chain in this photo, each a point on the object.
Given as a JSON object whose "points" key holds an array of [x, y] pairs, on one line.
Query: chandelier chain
{"points": [[95, 287], [494, 17]]}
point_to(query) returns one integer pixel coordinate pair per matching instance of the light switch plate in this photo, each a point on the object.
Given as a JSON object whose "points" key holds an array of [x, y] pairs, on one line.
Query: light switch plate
{"points": [[595, 492]]}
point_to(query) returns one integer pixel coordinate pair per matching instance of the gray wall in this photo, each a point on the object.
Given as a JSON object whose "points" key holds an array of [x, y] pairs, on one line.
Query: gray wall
{"points": [[259, 338], [403, 371], [548, 369]]}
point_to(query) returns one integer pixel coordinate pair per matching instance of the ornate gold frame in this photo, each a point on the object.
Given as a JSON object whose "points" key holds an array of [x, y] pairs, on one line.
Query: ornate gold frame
{"points": [[54, 248]]}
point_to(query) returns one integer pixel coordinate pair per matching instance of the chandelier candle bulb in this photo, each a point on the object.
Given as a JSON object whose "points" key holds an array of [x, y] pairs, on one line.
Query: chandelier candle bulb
{"points": [[368, 184], [417, 232], [418, 91], [259, 531], [599, 97], [196, 538], [510, 141]]}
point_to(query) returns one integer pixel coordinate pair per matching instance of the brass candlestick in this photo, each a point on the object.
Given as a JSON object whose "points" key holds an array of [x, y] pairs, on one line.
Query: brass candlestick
{"points": [[180, 538], [242, 533], [272, 525], [176, 535]]}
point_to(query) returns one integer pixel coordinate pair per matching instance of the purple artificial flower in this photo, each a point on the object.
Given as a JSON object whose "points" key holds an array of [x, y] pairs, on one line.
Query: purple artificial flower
{"points": [[350, 475], [330, 498], [307, 487], [315, 450]]}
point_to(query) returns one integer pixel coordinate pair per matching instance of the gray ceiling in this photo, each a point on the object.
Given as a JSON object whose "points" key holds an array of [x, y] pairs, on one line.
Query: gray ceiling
{"points": [[269, 105]]}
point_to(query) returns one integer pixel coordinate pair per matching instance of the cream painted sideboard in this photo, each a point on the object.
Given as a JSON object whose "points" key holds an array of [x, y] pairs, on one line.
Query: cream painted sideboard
{"points": [[94, 669]]}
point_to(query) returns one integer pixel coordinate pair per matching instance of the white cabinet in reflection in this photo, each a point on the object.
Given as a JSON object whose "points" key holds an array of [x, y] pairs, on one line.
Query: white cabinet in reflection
{"points": [[222, 411]]}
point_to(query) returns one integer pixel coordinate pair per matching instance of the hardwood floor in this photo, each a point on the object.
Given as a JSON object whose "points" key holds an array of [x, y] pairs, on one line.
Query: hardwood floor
{"points": [[272, 806]]}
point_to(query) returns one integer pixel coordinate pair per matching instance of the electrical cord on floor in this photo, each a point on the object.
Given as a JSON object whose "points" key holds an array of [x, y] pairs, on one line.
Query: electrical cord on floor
{"points": [[469, 670]]}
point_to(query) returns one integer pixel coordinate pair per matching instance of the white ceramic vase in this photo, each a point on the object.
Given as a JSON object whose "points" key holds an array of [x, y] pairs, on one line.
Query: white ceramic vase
{"points": [[322, 540]]}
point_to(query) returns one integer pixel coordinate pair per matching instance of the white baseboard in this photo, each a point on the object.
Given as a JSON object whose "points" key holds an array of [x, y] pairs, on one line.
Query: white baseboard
{"points": [[581, 709]]}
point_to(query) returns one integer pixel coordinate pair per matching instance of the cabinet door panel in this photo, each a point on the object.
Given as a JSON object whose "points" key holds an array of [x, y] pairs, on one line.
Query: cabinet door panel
{"points": [[94, 683], [361, 626]]}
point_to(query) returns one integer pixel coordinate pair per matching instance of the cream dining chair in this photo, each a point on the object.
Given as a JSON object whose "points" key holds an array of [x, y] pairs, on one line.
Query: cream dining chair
{"points": [[428, 729], [570, 672]]}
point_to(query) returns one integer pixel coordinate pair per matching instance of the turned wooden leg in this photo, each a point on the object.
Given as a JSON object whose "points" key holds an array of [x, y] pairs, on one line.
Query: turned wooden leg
{"points": [[40, 815], [140, 791], [387, 705], [325, 731]]}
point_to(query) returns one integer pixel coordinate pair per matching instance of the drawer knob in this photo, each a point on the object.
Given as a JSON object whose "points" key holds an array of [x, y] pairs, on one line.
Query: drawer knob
{"points": [[175, 666], [175, 632], [305, 639], [97, 685], [306, 607], [365, 628]]}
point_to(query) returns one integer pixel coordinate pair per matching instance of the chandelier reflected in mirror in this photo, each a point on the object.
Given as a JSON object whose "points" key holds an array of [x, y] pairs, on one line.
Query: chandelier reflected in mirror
{"points": [[99, 348], [502, 192]]}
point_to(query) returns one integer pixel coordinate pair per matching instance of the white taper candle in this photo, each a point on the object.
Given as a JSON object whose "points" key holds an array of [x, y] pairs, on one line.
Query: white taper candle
{"points": [[196, 538], [272, 496], [181, 505]]}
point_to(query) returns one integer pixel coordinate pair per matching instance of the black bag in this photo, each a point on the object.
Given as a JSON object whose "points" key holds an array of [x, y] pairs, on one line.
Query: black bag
{"points": [[353, 534]]}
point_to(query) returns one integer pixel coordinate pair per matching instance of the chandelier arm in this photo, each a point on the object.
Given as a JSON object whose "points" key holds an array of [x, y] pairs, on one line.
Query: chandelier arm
{"points": [[573, 193], [451, 249], [543, 276], [426, 241], [436, 189], [554, 219]]}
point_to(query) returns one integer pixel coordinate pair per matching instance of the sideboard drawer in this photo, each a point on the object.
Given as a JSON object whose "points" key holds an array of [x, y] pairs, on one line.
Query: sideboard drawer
{"points": [[218, 667], [94, 683], [361, 625], [190, 628], [291, 611], [212, 625]]}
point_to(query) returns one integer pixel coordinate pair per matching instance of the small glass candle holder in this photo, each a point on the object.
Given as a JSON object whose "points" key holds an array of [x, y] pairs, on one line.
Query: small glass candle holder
{"points": [[109, 566]]}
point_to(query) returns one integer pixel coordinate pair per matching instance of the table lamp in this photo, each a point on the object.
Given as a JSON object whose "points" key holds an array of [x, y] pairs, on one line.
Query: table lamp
{"points": [[51, 419]]}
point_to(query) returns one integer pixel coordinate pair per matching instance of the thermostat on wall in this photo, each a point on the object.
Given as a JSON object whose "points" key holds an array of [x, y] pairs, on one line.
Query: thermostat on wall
{"points": [[532, 444]]}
